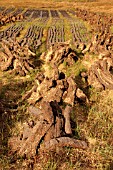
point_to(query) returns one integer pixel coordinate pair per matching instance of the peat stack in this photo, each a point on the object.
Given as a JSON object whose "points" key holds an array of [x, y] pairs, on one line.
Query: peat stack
{"points": [[100, 73], [101, 28], [51, 101], [15, 58]]}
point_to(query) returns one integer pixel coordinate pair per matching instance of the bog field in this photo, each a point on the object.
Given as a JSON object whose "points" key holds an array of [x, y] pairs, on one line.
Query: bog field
{"points": [[56, 85]]}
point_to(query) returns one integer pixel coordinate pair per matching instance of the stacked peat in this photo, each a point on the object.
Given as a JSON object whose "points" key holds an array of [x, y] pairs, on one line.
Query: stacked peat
{"points": [[100, 74], [15, 58], [51, 103], [7, 18], [101, 28]]}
